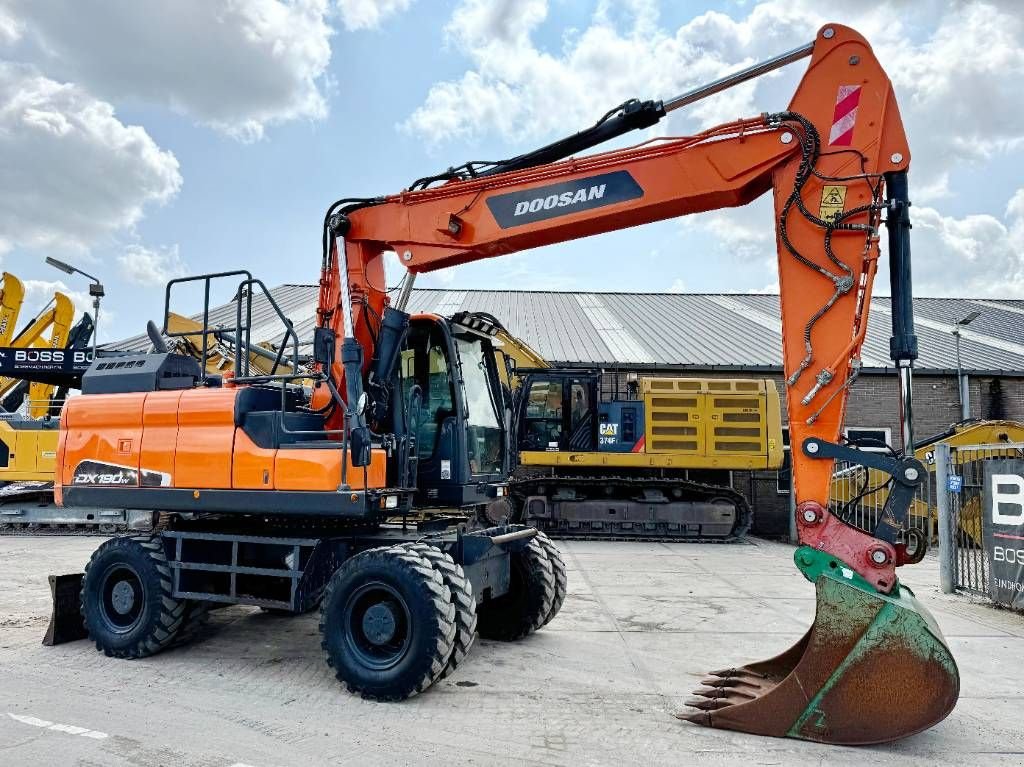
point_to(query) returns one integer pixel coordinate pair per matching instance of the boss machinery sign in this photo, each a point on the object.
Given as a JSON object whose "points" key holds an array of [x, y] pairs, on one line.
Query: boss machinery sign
{"points": [[1003, 529]]}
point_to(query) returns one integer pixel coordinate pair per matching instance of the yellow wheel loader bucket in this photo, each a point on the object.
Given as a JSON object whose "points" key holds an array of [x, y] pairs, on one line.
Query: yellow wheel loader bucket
{"points": [[871, 669]]}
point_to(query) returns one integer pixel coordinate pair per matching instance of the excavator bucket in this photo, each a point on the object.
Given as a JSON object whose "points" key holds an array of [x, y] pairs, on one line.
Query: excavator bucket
{"points": [[871, 669]]}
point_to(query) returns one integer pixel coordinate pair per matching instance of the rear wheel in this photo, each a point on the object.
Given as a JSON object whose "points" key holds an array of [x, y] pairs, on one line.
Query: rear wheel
{"points": [[527, 604], [126, 598], [560, 575], [387, 623], [197, 615]]}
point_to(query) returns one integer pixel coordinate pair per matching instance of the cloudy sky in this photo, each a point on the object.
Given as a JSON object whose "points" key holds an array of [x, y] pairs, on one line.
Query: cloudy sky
{"points": [[150, 139]]}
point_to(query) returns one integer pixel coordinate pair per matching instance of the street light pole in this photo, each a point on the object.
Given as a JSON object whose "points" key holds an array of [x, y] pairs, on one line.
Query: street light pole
{"points": [[964, 391], [95, 290]]}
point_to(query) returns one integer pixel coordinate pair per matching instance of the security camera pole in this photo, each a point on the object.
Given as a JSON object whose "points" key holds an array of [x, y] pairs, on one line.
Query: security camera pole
{"points": [[95, 290]]}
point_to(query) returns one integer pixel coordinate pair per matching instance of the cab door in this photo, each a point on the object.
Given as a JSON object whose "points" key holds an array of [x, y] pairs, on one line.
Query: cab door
{"points": [[580, 413]]}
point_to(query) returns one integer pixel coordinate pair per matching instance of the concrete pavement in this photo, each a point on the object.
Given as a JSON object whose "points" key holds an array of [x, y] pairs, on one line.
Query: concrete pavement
{"points": [[641, 625]]}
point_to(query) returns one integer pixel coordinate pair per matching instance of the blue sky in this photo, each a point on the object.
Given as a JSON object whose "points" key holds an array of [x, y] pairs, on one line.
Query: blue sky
{"points": [[410, 88]]}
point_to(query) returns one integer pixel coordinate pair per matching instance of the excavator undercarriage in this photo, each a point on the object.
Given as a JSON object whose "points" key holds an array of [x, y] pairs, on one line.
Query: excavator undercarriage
{"points": [[609, 506]]}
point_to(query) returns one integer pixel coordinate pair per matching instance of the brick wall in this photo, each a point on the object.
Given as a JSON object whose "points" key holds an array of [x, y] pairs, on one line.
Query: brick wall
{"points": [[873, 403]]}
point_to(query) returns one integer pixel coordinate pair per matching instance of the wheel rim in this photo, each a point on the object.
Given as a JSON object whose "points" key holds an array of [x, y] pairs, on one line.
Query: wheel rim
{"points": [[122, 598], [378, 625]]}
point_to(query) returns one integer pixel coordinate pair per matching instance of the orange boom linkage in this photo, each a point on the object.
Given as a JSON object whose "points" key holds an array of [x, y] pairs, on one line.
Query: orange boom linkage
{"points": [[835, 160], [827, 260]]}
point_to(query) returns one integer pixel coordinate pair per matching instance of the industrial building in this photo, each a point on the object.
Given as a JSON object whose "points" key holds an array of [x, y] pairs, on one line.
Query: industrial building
{"points": [[730, 335]]}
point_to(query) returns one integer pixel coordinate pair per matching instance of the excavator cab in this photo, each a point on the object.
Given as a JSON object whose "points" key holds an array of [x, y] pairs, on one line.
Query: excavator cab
{"points": [[557, 411], [459, 417]]}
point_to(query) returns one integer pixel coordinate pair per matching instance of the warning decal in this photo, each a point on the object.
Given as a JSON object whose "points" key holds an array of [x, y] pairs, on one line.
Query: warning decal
{"points": [[845, 115], [833, 199]]}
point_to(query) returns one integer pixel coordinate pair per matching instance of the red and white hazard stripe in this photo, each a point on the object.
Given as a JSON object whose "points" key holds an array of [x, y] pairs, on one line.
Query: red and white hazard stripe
{"points": [[845, 115]]}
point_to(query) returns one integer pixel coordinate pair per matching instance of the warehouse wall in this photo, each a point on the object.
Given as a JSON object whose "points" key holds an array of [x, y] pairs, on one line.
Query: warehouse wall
{"points": [[873, 404]]}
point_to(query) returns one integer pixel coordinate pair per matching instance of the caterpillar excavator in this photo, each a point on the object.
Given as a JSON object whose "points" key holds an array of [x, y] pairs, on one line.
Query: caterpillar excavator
{"points": [[274, 494], [652, 466]]}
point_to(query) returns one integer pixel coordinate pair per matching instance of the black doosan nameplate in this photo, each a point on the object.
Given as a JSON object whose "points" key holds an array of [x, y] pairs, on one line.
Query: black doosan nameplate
{"points": [[544, 202]]}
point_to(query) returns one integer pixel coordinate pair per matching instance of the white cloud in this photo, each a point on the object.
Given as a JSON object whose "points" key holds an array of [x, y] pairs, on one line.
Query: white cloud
{"points": [[517, 89], [38, 293], [146, 266], [237, 65], [10, 28], [71, 173], [956, 68], [369, 14], [957, 82], [976, 255]]}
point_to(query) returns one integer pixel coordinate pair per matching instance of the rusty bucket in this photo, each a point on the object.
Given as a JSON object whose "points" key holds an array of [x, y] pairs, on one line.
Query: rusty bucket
{"points": [[872, 668]]}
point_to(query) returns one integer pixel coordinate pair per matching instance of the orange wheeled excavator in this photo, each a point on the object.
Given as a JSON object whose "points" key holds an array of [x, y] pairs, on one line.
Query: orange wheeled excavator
{"points": [[275, 494]]}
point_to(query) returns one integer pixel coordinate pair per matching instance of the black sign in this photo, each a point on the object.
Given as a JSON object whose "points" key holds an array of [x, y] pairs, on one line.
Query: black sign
{"points": [[14, 361], [1002, 524], [54, 366], [115, 475], [543, 202]]}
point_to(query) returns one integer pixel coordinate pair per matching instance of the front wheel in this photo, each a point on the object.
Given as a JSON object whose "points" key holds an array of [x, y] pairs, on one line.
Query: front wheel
{"points": [[126, 598], [387, 623]]}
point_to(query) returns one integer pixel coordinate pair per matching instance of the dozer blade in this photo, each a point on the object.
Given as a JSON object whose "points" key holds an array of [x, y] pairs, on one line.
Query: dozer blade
{"points": [[66, 618], [871, 669]]}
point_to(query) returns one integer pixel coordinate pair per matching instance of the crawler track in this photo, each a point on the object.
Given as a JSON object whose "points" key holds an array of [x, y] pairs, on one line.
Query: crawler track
{"points": [[631, 488]]}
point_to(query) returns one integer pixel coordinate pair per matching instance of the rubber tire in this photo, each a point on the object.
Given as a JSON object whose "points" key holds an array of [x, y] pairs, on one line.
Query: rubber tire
{"points": [[197, 615], [433, 623], [561, 577], [526, 605], [462, 596], [162, 615]]}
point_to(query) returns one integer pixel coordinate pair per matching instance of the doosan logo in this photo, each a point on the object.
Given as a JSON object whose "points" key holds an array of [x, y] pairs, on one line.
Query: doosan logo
{"points": [[566, 198], [595, 192]]}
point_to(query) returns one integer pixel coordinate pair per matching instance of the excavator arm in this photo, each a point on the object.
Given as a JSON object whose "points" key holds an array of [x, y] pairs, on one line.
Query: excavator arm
{"points": [[827, 159], [835, 160]]}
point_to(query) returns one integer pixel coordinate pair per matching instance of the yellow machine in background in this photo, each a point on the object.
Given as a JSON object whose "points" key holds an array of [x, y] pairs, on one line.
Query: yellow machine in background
{"points": [[220, 356], [56, 317], [28, 441], [12, 295], [858, 494], [652, 465]]}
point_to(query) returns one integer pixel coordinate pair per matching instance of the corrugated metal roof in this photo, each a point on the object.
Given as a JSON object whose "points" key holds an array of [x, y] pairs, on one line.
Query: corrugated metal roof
{"points": [[673, 329]]}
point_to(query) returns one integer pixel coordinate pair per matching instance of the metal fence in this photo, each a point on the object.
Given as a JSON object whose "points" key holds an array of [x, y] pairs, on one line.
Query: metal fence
{"points": [[965, 559]]}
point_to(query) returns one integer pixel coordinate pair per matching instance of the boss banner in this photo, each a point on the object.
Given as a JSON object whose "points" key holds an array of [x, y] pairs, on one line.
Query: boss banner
{"points": [[57, 366], [1002, 522]]}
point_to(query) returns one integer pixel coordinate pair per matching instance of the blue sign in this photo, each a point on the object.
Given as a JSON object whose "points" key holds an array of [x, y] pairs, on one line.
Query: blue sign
{"points": [[954, 483]]}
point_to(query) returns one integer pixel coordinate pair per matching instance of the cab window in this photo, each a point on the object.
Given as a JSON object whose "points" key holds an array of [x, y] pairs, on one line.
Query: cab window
{"points": [[543, 418]]}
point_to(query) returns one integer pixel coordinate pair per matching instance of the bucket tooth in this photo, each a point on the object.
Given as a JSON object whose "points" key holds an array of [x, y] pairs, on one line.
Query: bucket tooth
{"points": [[873, 668], [751, 680], [707, 704], [697, 717]]}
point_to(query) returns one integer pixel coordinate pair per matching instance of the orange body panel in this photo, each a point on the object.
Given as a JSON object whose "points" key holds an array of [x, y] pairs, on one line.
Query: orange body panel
{"points": [[253, 467], [160, 433], [187, 439], [298, 469], [206, 435], [105, 428]]}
